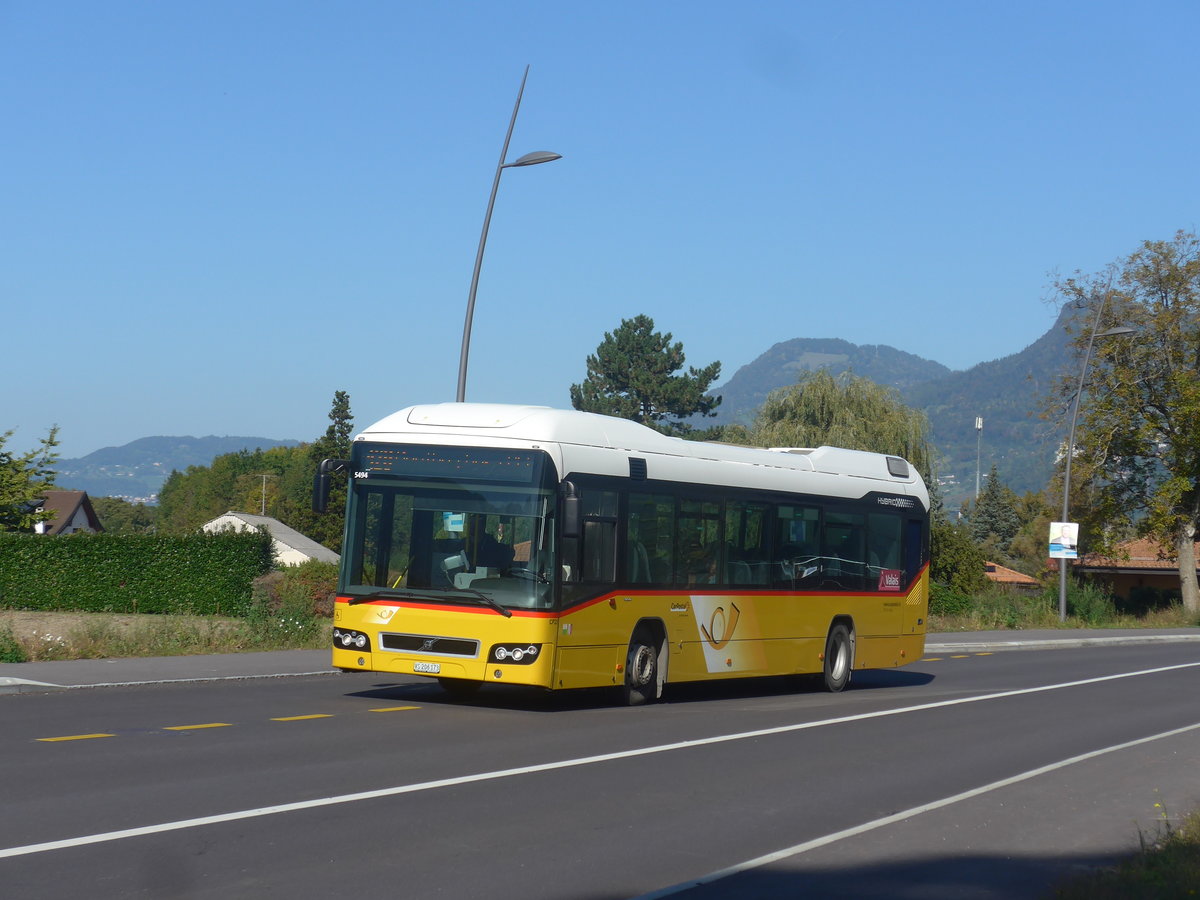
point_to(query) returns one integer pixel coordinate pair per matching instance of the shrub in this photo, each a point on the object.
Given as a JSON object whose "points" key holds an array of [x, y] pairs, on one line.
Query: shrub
{"points": [[955, 559], [1144, 600], [946, 601], [201, 574], [305, 590], [11, 650], [1091, 604]]}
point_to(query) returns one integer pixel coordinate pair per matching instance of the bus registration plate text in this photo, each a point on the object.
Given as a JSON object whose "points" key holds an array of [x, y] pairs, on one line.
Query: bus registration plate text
{"points": [[427, 668]]}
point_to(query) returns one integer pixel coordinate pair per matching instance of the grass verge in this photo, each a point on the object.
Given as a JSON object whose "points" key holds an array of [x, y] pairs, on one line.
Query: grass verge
{"points": [[999, 608], [37, 636], [1168, 866]]}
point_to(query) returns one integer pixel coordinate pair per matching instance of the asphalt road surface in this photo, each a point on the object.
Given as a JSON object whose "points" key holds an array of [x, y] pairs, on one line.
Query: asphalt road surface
{"points": [[963, 775]]}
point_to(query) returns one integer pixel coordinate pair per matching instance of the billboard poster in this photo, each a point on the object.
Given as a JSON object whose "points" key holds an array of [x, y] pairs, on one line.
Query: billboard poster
{"points": [[1064, 540]]}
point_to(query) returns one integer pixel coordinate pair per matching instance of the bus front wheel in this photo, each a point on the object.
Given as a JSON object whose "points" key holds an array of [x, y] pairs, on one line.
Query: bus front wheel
{"points": [[839, 658], [641, 671]]}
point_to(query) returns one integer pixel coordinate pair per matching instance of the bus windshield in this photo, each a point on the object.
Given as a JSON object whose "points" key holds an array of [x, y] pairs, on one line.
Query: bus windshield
{"points": [[453, 524]]}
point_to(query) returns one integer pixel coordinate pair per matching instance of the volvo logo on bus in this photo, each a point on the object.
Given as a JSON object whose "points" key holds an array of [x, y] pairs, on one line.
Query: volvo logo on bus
{"points": [[428, 644]]}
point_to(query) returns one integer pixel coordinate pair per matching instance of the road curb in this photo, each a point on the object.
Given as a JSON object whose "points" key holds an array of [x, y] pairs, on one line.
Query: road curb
{"points": [[23, 685], [1056, 643]]}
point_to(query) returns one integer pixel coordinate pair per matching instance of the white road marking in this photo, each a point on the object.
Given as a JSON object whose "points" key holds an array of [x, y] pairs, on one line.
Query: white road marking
{"points": [[827, 839], [299, 806]]}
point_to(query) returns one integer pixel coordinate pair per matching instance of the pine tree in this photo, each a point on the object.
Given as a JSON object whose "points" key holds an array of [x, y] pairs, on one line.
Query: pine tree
{"points": [[994, 518], [632, 376]]}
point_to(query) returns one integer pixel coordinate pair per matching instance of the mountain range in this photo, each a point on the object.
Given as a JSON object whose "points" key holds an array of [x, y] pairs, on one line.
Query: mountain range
{"points": [[136, 471], [1008, 394]]}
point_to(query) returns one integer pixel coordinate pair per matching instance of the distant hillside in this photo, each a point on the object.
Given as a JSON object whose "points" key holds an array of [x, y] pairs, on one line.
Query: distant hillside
{"points": [[138, 469], [1007, 393], [782, 365]]}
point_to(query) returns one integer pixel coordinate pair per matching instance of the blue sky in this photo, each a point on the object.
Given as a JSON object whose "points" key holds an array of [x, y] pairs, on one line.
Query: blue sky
{"points": [[217, 214]]}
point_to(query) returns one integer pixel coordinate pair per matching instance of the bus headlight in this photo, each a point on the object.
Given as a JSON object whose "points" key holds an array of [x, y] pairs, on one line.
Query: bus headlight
{"points": [[344, 638], [520, 654]]}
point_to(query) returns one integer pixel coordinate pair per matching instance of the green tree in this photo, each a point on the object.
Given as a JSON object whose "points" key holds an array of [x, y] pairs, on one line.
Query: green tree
{"points": [[1138, 438], [119, 516], [994, 519], [955, 560], [844, 411], [327, 527], [632, 375], [1027, 551], [23, 478]]}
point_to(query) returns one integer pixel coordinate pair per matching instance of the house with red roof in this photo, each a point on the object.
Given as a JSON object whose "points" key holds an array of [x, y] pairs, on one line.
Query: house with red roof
{"points": [[998, 574], [1133, 566]]}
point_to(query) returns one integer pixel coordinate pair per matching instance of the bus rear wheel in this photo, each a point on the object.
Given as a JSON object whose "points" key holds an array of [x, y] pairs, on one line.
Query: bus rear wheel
{"points": [[839, 658], [641, 671]]}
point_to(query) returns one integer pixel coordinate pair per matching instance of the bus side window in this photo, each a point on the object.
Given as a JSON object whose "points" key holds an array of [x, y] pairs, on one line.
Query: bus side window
{"points": [[650, 535], [699, 552], [885, 558], [796, 551], [746, 536], [845, 554], [599, 510]]}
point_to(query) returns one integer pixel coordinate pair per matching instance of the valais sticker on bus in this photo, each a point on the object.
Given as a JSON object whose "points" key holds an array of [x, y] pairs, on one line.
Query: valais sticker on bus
{"points": [[889, 580]]}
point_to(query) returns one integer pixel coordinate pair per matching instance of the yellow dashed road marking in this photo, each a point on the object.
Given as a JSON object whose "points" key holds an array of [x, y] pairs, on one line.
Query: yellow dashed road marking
{"points": [[75, 737], [394, 708], [299, 718], [191, 727]]}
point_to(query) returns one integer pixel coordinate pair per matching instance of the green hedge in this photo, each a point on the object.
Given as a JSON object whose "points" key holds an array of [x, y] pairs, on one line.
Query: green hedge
{"points": [[199, 574]]}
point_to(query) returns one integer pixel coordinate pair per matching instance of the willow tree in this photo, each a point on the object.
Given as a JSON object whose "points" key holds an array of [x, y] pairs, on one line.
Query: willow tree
{"points": [[636, 373], [846, 411], [1138, 435]]}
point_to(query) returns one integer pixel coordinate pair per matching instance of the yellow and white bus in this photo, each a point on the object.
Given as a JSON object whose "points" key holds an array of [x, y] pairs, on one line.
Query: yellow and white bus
{"points": [[525, 545]]}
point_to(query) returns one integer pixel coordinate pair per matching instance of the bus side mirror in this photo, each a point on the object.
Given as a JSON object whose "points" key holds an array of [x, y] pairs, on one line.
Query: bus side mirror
{"points": [[321, 482], [570, 510]]}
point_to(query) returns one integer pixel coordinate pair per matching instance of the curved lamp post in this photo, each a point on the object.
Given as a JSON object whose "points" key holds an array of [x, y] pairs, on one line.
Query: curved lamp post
{"points": [[529, 159], [1087, 358]]}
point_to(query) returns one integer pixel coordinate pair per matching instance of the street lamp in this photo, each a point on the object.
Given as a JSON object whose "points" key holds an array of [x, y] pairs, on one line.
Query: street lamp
{"points": [[529, 159], [1087, 358]]}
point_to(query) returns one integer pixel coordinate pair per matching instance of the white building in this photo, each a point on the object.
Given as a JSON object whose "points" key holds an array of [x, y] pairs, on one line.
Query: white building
{"points": [[291, 547]]}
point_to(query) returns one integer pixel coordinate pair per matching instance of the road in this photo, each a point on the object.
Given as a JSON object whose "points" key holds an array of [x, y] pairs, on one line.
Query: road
{"points": [[963, 775]]}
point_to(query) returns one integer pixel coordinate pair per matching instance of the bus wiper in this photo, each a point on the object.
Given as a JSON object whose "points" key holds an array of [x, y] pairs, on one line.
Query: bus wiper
{"points": [[487, 601]]}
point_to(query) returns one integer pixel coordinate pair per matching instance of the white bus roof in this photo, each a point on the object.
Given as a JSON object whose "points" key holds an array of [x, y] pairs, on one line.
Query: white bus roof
{"points": [[586, 442]]}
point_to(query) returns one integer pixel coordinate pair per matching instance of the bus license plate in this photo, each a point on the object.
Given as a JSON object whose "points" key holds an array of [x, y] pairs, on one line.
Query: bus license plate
{"points": [[427, 668]]}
